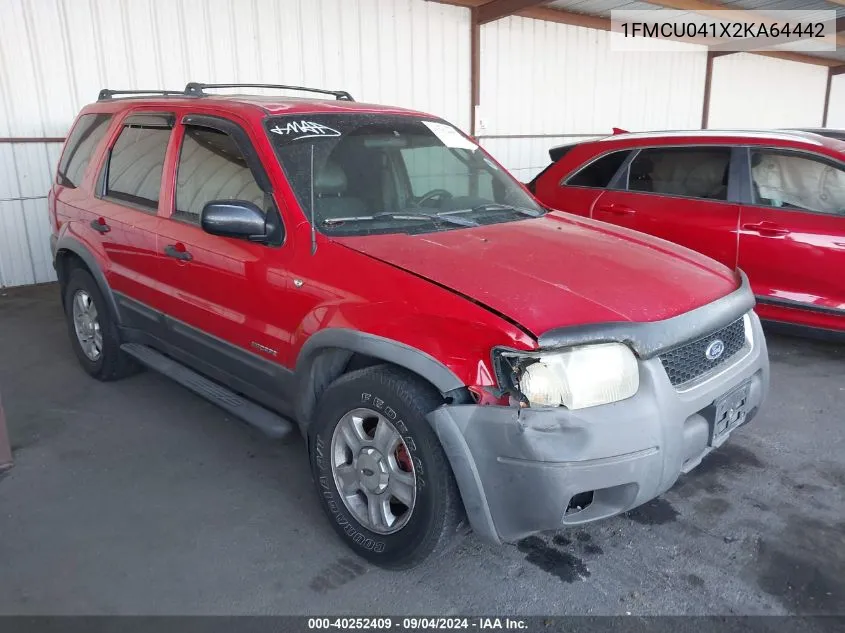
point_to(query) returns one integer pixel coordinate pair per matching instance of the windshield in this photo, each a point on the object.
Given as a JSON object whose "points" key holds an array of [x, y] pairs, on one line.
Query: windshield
{"points": [[375, 174]]}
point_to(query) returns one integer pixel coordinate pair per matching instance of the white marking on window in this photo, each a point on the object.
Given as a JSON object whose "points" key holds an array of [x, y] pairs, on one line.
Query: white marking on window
{"points": [[305, 129]]}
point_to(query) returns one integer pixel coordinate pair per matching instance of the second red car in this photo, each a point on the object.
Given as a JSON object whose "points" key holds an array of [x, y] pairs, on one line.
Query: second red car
{"points": [[770, 203]]}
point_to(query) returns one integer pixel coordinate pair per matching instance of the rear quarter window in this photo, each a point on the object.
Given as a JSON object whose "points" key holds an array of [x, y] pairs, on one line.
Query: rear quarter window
{"points": [[599, 173], [79, 148]]}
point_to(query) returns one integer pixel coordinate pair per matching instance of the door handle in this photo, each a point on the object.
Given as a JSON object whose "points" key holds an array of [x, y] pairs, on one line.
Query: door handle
{"points": [[616, 209], [100, 225], [767, 229], [177, 251]]}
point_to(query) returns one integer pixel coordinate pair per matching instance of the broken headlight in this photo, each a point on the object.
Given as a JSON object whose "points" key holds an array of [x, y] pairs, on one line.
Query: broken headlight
{"points": [[575, 378]]}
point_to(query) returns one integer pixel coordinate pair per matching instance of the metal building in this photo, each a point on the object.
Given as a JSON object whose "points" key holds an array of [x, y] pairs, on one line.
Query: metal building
{"points": [[521, 75]]}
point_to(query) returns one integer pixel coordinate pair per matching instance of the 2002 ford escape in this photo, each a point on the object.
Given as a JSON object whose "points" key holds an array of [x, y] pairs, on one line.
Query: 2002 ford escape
{"points": [[447, 347]]}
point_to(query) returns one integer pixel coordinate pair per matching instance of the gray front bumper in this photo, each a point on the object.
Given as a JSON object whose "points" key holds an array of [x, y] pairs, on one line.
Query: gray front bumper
{"points": [[517, 469]]}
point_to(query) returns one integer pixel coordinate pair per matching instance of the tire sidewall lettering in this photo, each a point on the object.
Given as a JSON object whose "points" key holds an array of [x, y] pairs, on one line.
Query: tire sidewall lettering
{"points": [[335, 506], [389, 412]]}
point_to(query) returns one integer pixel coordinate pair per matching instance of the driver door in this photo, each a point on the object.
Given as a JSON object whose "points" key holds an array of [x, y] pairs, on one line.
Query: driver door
{"points": [[225, 296]]}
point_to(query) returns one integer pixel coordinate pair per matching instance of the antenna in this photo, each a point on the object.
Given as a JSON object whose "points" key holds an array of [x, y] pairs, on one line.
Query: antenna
{"points": [[313, 222]]}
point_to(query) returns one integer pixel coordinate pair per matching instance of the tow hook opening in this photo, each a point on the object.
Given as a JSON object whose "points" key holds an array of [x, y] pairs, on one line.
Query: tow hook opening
{"points": [[579, 502]]}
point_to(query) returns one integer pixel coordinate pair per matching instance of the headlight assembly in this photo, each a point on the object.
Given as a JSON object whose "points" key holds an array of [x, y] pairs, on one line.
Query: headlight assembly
{"points": [[575, 378]]}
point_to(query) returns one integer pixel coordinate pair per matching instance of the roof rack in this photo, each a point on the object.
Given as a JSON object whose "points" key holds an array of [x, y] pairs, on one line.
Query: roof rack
{"points": [[194, 89], [105, 93]]}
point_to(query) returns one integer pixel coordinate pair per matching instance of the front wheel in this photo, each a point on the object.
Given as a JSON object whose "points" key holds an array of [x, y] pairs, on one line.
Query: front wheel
{"points": [[382, 476]]}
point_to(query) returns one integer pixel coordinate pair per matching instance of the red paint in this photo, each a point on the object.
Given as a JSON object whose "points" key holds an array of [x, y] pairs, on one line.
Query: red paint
{"points": [[787, 254], [499, 285]]}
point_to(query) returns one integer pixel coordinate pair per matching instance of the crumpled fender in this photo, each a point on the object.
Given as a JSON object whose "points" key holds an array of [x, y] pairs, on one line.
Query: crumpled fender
{"points": [[450, 353]]}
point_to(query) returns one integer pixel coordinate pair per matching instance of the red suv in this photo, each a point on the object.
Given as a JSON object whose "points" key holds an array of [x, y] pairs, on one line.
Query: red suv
{"points": [[770, 203], [369, 275]]}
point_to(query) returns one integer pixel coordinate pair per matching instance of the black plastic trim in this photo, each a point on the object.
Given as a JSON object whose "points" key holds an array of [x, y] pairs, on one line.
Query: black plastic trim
{"points": [[242, 140], [800, 305], [265, 420], [158, 120], [803, 331], [386, 349], [650, 338], [72, 245], [265, 376]]}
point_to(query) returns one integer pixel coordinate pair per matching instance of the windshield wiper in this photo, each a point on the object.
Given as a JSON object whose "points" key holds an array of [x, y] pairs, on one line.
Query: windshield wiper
{"points": [[401, 215], [493, 206]]}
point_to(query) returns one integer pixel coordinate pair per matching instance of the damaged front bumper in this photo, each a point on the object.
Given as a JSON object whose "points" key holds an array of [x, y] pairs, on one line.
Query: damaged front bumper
{"points": [[518, 469]]}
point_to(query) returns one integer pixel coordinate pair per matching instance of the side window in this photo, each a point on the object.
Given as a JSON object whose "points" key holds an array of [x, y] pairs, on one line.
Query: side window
{"points": [[81, 143], [692, 172], [211, 167], [431, 168], [136, 161], [790, 181], [599, 172]]}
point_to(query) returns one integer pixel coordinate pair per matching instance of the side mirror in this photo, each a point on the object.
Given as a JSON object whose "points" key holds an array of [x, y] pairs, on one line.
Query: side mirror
{"points": [[234, 218]]}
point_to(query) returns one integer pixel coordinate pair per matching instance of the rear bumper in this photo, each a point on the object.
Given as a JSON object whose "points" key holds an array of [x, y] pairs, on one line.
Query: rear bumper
{"points": [[518, 469]]}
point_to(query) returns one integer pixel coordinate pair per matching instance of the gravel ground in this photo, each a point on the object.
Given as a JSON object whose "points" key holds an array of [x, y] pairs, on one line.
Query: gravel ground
{"points": [[138, 497]]}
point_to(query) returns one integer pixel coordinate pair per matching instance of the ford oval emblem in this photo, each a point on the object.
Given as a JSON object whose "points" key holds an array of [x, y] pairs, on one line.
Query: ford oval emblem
{"points": [[714, 350]]}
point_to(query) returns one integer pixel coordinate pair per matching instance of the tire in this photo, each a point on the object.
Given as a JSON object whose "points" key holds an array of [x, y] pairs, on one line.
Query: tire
{"points": [[111, 363], [436, 513]]}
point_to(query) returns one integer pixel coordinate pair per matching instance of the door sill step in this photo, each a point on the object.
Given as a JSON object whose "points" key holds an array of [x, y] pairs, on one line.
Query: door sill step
{"points": [[269, 423]]}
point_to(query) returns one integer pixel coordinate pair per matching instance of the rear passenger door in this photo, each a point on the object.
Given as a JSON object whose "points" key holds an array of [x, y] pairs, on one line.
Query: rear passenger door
{"points": [[224, 295], [125, 213], [680, 194]]}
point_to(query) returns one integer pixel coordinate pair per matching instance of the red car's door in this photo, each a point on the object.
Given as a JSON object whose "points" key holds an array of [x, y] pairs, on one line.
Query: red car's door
{"points": [[680, 194], [792, 240], [127, 194], [225, 296]]}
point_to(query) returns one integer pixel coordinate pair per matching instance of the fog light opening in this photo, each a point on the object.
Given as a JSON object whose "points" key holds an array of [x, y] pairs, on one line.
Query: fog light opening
{"points": [[579, 502]]}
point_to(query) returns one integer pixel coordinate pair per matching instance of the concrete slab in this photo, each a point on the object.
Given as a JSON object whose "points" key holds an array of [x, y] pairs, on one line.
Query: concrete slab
{"points": [[137, 497]]}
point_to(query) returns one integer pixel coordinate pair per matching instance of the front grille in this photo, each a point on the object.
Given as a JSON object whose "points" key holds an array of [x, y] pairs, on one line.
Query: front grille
{"points": [[689, 361]]}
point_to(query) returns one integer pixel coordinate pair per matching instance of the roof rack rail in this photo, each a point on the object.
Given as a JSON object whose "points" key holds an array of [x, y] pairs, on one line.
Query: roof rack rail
{"points": [[195, 89], [105, 93]]}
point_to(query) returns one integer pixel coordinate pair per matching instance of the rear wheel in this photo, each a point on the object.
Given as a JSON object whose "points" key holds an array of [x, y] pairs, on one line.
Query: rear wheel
{"points": [[382, 476], [93, 332]]}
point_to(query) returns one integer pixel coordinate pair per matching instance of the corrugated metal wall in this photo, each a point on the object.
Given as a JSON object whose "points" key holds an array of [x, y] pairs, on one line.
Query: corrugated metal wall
{"points": [[537, 78], [56, 54], [753, 91], [836, 110], [541, 77]]}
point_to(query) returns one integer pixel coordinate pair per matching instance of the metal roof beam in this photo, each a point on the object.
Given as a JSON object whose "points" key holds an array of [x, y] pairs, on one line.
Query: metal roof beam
{"points": [[603, 24], [497, 9]]}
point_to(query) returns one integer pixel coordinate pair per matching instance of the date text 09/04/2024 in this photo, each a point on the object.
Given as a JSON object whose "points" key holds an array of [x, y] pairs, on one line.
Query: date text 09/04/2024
{"points": [[417, 623]]}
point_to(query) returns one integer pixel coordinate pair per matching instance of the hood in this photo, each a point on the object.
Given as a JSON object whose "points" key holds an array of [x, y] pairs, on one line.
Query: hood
{"points": [[558, 270]]}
